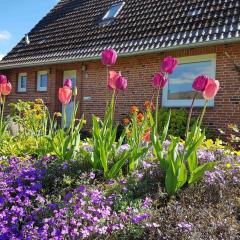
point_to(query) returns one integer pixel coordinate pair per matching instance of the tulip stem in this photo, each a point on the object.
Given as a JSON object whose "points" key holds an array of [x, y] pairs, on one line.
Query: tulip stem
{"points": [[203, 113], [2, 111], [64, 116], [190, 114], [106, 97], [156, 112]]}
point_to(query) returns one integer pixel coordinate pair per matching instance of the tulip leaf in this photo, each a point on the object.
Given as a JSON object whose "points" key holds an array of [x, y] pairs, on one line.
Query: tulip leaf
{"points": [[199, 172]]}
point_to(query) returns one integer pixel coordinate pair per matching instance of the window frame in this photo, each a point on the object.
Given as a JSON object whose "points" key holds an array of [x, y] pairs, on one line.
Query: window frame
{"points": [[20, 75], [39, 74], [187, 103], [120, 4]]}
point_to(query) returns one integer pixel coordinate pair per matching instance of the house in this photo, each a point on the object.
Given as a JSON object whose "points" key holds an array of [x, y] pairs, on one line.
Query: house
{"points": [[204, 35]]}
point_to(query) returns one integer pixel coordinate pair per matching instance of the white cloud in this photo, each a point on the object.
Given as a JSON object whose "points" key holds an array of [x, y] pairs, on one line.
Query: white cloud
{"points": [[1, 56], [5, 35]]}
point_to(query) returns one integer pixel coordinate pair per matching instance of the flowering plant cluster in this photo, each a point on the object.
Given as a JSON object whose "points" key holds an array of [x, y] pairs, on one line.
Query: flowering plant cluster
{"points": [[108, 186]]}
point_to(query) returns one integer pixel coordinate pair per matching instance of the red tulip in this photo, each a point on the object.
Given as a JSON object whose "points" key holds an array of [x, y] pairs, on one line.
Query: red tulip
{"points": [[68, 83], [159, 80], [200, 83], [116, 81], [3, 79], [109, 57], [147, 137], [65, 95], [6, 88], [211, 89], [169, 64]]}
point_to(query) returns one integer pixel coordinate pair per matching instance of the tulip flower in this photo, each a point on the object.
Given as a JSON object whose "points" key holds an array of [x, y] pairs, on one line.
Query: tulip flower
{"points": [[126, 121], [200, 83], [116, 81], [65, 95], [169, 64], [159, 80], [3, 79], [147, 137], [211, 89], [109, 57], [68, 83], [134, 110], [5, 88]]}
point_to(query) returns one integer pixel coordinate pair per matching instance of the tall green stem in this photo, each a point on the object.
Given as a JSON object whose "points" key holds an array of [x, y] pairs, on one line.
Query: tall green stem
{"points": [[203, 113], [156, 112], [106, 97], [190, 114], [2, 110], [64, 116]]}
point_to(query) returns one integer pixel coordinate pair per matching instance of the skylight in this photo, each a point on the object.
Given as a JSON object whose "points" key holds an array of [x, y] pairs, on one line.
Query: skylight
{"points": [[113, 11]]}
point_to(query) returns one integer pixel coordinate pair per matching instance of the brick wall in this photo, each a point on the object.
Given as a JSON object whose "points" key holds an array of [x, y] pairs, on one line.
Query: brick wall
{"points": [[139, 71]]}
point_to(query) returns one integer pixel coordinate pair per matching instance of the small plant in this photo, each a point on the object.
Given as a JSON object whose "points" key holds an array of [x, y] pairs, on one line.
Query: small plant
{"points": [[65, 142], [5, 90]]}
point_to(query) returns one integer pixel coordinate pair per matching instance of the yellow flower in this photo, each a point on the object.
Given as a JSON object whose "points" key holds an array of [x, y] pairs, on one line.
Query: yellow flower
{"points": [[39, 101], [57, 114], [228, 165]]}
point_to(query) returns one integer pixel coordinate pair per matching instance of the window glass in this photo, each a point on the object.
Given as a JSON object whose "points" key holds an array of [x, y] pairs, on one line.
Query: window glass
{"points": [[113, 11], [180, 82], [44, 80], [23, 82]]}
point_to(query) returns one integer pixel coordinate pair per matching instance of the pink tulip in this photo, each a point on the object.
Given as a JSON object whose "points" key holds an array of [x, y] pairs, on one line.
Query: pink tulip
{"points": [[65, 95], [68, 83], [116, 81], [5, 88], [200, 83], [109, 57], [211, 89], [159, 80], [169, 65], [3, 79]]}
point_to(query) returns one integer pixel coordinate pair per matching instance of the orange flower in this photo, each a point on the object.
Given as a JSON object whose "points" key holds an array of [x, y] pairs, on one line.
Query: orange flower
{"points": [[149, 105], [140, 117], [126, 121], [147, 137], [134, 109]]}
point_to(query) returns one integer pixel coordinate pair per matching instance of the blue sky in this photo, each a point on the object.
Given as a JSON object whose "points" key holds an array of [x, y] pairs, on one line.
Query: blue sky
{"points": [[18, 17]]}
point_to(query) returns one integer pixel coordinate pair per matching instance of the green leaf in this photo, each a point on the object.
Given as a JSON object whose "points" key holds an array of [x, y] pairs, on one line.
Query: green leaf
{"points": [[181, 176], [199, 172], [166, 127], [192, 161], [170, 180]]}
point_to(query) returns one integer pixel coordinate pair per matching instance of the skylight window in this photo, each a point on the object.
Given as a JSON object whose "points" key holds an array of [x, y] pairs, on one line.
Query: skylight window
{"points": [[113, 11]]}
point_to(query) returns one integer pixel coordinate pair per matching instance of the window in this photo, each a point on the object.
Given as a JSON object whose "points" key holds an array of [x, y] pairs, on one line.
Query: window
{"points": [[179, 92], [112, 12], [22, 82], [42, 81]]}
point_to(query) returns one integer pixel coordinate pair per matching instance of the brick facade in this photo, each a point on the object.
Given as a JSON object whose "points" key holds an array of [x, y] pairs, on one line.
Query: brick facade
{"points": [[139, 71]]}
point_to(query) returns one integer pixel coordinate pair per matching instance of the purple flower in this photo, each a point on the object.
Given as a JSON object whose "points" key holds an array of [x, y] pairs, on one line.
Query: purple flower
{"points": [[92, 175], [185, 226], [109, 57]]}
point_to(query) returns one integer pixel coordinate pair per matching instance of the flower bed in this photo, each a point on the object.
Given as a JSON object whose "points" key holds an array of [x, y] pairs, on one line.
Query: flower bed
{"points": [[50, 200], [142, 183]]}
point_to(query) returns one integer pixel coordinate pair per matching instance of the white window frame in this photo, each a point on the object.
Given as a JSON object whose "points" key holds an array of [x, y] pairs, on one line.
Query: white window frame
{"points": [[39, 88], [187, 103], [20, 75], [120, 4]]}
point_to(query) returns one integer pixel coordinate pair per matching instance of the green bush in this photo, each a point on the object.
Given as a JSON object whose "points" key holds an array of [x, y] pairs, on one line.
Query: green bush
{"points": [[178, 123]]}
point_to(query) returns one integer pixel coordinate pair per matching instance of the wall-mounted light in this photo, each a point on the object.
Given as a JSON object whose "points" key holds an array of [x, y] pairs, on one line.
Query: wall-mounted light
{"points": [[27, 41]]}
